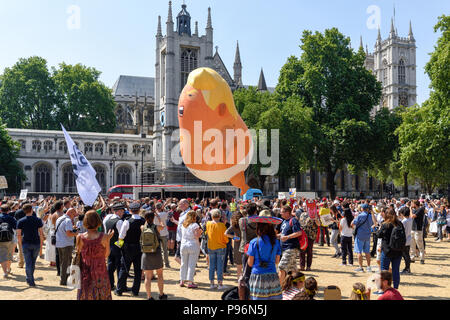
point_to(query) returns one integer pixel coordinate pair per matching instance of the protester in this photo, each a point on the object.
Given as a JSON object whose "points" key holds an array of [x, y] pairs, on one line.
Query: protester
{"points": [[359, 292], [151, 258], [93, 246], [59, 211], [418, 213], [363, 223], [335, 230], [65, 234], [234, 233], [384, 284], [264, 255], [161, 218], [293, 284], [309, 291], [310, 226], [185, 207], [31, 238], [392, 233], [323, 230], [7, 227], [290, 245], [217, 243], [346, 229], [407, 224], [190, 249]]}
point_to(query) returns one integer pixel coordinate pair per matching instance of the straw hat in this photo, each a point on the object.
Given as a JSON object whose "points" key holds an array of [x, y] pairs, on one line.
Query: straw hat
{"points": [[265, 217]]}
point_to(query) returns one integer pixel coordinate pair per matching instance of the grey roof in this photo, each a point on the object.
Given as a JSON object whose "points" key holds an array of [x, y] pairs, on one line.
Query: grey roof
{"points": [[262, 86], [129, 85]]}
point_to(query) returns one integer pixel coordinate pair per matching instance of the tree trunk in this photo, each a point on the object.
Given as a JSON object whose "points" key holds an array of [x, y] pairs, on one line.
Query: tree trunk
{"points": [[331, 186], [405, 185]]}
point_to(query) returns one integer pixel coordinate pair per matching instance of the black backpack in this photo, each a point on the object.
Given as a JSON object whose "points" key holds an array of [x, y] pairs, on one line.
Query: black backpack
{"points": [[231, 294], [6, 233], [398, 238]]}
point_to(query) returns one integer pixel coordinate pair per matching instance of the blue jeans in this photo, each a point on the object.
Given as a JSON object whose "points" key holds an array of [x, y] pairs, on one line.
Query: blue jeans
{"points": [[216, 258], [386, 261], [30, 254]]}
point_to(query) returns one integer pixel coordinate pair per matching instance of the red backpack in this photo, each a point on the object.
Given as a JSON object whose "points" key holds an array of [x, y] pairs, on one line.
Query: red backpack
{"points": [[302, 239]]}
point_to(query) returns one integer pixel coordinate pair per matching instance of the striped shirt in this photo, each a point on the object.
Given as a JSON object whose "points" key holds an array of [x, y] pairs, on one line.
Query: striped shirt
{"points": [[290, 293]]}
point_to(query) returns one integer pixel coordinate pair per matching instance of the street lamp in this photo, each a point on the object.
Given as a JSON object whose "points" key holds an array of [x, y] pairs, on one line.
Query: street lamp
{"points": [[142, 169], [137, 165]]}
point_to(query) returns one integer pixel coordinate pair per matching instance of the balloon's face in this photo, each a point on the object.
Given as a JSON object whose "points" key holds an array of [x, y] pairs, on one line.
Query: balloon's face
{"points": [[215, 143]]}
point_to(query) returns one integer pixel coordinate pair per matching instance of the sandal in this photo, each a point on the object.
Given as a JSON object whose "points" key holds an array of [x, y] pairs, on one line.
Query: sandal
{"points": [[192, 286]]}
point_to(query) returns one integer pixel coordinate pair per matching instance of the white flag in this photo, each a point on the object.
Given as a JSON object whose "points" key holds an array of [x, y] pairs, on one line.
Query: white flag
{"points": [[87, 185]]}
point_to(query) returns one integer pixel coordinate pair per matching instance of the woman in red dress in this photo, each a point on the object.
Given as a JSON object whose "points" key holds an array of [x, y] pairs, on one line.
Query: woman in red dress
{"points": [[94, 249]]}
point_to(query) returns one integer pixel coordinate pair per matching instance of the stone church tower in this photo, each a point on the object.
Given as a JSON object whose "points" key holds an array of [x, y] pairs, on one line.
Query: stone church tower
{"points": [[394, 64], [177, 54]]}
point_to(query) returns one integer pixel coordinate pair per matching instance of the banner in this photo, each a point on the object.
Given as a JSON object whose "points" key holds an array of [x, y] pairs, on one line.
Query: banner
{"points": [[3, 182], [87, 185], [281, 195]]}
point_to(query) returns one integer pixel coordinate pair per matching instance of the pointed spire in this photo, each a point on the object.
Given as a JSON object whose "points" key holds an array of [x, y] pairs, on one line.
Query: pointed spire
{"points": [[361, 46], [196, 28], [379, 34], [367, 49], [410, 35], [159, 32], [170, 15], [237, 58], [392, 33], [217, 49], [262, 86], [209, 23]]}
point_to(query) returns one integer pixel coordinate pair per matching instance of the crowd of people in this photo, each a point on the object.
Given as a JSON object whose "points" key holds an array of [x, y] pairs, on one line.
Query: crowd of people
{"points": [[269, 241]]}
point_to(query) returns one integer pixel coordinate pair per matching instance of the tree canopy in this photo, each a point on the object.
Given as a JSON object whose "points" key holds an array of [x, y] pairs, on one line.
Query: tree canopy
{"points": [[33, 97]]}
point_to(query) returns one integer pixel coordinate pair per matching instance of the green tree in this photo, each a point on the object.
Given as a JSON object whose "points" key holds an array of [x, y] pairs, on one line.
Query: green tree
{"points": [[84, 103], [32, 97], [438, 68], [27, 95], [265, 111], [9, 166], [424, 137], [330, 78]]}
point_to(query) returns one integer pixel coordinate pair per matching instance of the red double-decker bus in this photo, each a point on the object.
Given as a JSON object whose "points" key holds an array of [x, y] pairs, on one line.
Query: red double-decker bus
{"points": [[177, 191]]}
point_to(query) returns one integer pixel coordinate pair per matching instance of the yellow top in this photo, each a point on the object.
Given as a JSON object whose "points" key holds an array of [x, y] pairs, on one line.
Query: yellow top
{"points": [[216, 235]]}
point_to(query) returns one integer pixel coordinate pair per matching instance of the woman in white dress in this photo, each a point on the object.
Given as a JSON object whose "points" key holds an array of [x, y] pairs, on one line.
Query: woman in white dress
{"points": [[50, 250]]}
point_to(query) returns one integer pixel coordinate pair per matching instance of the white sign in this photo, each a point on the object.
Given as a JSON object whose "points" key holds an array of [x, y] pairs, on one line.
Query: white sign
{"points": [[3, 182], [41, 197], [281, 195], [23, 194], [326, 219]]}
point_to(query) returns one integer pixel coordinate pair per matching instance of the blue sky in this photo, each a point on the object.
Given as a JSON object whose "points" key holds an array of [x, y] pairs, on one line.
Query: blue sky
{"points": [[118, 36]]}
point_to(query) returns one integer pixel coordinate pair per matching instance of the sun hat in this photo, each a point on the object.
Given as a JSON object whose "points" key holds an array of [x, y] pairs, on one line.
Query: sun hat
{"points": [[265, 217]]}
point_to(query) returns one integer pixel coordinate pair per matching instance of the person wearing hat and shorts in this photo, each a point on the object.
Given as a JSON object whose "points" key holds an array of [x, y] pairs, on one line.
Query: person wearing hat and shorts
{"points": [[129, 241], [263, 256], [290, 231], [363, 230], [114, 222]]}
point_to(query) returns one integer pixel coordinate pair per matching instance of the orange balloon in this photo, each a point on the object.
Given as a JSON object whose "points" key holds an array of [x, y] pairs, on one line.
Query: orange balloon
{"points": [[215, 143]]}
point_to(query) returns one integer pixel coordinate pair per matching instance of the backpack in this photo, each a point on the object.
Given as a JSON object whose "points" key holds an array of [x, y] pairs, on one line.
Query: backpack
{"points": [[303, 239], [6, 233], [149, 239], [231, 294], [397, 241]]}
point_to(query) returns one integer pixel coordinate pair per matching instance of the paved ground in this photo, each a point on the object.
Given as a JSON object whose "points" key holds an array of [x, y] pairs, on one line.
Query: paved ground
{"points": [[429, 281]]}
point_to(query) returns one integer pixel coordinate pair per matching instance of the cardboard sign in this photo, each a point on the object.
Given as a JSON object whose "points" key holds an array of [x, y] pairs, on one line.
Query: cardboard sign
{"points": [[3, 182], [292, 192], [23, 194], [311, 208], [281, 195]]}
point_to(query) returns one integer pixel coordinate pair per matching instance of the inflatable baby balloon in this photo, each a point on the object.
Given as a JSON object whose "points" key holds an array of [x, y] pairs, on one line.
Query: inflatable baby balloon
{"points": [[215, 143]]}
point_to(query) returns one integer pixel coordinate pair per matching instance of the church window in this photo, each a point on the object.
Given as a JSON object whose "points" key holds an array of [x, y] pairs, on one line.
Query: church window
{"points": [[189, 62], [403, 99], [401, 72]]}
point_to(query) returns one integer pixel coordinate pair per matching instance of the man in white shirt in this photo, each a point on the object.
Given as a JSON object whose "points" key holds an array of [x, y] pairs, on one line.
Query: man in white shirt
{"points": [[407, 223], [161, 218]]}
